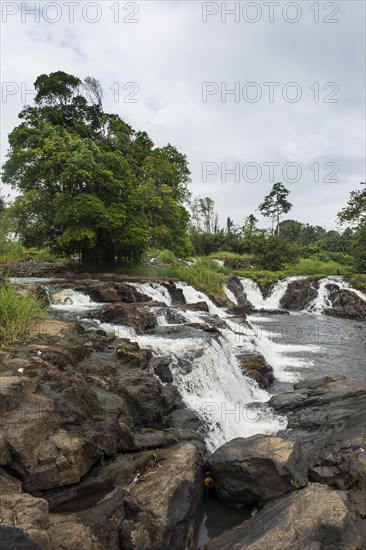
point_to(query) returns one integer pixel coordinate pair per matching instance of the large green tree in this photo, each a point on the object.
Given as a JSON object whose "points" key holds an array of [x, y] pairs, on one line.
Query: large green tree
{"points": [[275, 204], [354, 214], [89, 184]]}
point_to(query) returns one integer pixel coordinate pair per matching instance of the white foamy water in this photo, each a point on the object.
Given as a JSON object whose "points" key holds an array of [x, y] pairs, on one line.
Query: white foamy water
{"points": [[156, 291], [230, 295], [272, 301], [71, 300], [322, 300], [214, 387]]}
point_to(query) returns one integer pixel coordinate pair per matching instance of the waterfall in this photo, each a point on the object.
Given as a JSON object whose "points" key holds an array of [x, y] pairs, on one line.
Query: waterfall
{"points": [[254, 293], [322, 300], [70, 300], [206, 371], [204, 366], [156, 291]]}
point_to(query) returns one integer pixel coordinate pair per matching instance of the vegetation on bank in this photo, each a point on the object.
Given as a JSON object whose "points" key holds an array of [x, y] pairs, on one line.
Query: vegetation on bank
{"points": [[96, 192], [17, 315]]}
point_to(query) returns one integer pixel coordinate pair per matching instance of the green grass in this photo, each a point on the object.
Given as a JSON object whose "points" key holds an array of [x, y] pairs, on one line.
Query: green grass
{"points": [[205, 275], [11, 252], [17, 314], [15, 252], [262, 277], [310, 266], [358, 281], [231, 256]]}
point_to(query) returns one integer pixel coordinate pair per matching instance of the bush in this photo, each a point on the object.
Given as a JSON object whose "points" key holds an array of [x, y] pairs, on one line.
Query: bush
{"points": [[309, 266], [273, 252], [165, 257], [17, 314], [205, 275]]}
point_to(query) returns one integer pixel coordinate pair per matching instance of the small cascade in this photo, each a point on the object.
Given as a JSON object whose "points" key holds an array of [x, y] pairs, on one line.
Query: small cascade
{"points": [[253, 292], [69, 299], [346, 286], [230, 295], [273, 301], [322, 300], [156, 291]]}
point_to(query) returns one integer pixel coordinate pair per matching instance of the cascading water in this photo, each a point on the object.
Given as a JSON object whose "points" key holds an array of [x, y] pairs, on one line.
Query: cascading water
{"points": [[254, 293], [69, 299], [156, 291], [204, 366], [322, 300]]}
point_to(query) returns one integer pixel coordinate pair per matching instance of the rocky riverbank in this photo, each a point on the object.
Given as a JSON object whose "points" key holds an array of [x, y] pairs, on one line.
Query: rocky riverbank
{"points": [[98, 449]]}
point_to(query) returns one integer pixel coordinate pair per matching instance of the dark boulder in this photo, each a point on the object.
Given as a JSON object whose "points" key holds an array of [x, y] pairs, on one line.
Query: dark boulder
{"points": [[328, 417], [163, 507], [112, 292], [176, 293], [257, 368], [345, 303], [257, 469], [197, 306], [313, 518], [129, 315], [300, 293]]}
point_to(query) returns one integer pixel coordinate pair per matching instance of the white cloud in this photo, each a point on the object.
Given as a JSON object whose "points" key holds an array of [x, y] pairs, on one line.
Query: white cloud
{"points": [[170, 52]]}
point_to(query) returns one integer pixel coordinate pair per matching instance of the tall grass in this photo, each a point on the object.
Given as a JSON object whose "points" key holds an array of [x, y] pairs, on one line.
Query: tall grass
{"points": [[205, 274], [311, 266], [17, 314]]}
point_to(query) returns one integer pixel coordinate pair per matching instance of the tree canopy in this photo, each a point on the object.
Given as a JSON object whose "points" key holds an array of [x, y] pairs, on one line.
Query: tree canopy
{"points": [[275, 204], [91, 185]]}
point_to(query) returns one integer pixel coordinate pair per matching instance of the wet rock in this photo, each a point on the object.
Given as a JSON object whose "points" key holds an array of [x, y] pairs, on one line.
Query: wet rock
{"points": [[176, 294], [111, 292], [257, 368], [161, 367], [173, 317], [197, 306], [163, 507], [328, 417], [145, 396], [24, 518], [257, 469], [234, 285], [312, 518], [345, 303], [127, 314], [300, 293], [38, 442], [240, 310]]}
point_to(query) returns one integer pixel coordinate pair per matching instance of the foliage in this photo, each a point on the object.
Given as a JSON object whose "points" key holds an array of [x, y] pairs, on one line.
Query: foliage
{"points": [[358, 281], [359, 249], [205, 275], [17, 314], [275, 204], [355, 211], [273, 252], [90, 185], [310, 266], [11, 252], [165, 257]]}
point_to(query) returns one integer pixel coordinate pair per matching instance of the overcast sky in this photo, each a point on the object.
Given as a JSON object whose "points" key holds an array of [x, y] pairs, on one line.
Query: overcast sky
{"points": [[296, 70]]}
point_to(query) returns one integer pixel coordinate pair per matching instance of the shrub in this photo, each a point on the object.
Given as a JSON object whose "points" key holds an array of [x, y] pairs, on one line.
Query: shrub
{"points": [[205, 275], [17, 314]]}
